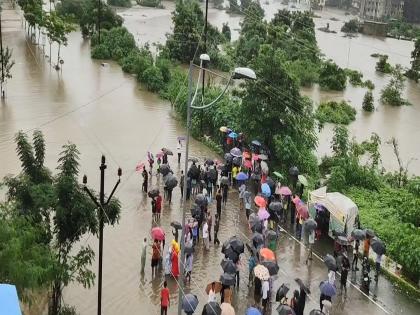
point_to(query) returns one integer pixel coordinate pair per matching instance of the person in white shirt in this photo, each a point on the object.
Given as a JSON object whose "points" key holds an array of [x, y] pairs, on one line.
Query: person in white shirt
{"points": [[212, 293], [178, 150], [311, 241], [265, 288], [206, 235], [331, 276]]}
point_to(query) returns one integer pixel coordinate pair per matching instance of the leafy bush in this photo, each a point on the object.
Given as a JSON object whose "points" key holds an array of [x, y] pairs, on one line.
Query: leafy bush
{"points": [[305, 72], [382, 65], [153, 79], [351, 26], [355, 77], [226, 31], [368, 102], [116, 43], [149, 3], [336, 113], [120, 3], [392, 93], [332, 76], [369, 84]]}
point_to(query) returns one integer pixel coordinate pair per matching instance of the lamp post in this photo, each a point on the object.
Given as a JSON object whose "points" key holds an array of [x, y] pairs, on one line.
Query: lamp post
{"points": [[101, 204], [238, 73]]}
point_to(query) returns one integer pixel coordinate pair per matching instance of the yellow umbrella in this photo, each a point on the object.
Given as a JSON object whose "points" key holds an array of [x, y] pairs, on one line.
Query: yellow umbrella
{"points": [[223, 129]]}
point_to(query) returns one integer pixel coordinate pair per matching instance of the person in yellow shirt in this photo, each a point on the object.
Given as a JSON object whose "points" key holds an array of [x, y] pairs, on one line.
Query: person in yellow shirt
{"points": [[235, 171]]}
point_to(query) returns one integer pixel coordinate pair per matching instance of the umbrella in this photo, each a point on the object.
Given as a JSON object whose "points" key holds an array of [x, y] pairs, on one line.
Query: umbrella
{"points": [[319, 207], [200, 199], [170, 181], [263, 214], [193, 159], [275, 206], [257, 227], [227, 309], [257, 239], [265, 189], [209, 162], [139, 167], [153, 192], [294, 171], [330, 262], [256, 143], [247, 163], [284, 309], [285, 191], [282, 291], [358, 234], [158, 233], [176, 225], [223, 129], [224, 180], [189, 248], [255, 157], [233, 135], [271, 235], [228, 266], [278, 175], [227, 279], [236, 244], [302, 209], [236, 152], [189, 303], [241, 176], [264, 167], [303, 180], [237, 161], [217, 287], [342, 240], [212, 308], [260, 201], [164, 169], [303, 286], [272, 267], [327, 288], [262, 157], [261, 272], [270, 182], [267, 254], [231, 254], [181, 138], [369, 233], [167, 151], [228, 157], [310, 225], [378, 246], [316, 312], [255, 176], [253, 311]]}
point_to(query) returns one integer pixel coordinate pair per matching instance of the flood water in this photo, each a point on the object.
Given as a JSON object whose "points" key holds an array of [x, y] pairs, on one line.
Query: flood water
{"points": [[104, 111]]}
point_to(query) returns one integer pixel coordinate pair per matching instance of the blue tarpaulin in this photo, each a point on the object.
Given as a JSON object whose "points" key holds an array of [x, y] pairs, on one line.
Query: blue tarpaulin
{"points": [[9, 302]]}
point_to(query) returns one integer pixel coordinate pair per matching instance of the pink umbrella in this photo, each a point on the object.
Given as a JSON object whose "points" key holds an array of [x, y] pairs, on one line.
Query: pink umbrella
{"points": [[260, 201], [139, 167], [158, 234], [159, 154], [263, 214], [255, 157], [247, 163], [302, 209], [296, 200], [285, 191]]}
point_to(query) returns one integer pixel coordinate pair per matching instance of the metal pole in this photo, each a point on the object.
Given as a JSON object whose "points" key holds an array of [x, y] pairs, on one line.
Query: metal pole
{"points": [[204, 73], [184, 197], [1, 51], [101, 232], [99, 20]]}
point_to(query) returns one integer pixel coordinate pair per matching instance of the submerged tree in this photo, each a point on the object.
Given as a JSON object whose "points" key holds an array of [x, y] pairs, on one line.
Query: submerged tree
{"points": [[6, 66], [368, 102], [392, 93], [414, 72]]}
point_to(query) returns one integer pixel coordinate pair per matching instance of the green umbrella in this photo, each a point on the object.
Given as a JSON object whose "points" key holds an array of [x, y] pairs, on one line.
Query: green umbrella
{"points": [[277, 174], [303, 180]]}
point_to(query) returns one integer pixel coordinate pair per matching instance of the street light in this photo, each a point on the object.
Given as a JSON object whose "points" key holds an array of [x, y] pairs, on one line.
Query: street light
{"points": [[238, 73]]}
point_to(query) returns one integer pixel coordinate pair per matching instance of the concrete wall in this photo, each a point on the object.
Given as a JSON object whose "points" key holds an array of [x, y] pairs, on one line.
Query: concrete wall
{"points": [[374, 28]]}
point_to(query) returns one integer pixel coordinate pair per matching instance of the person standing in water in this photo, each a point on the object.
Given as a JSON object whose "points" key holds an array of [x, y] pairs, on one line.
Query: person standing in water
{"points": [[178, 150], [143, 254], [145, 180]]}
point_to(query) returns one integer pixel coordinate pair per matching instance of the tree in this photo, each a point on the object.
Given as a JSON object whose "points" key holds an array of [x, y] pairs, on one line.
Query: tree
{"points": [[382, 65], [153, 79], [226, 31], [414, 72], [234, 6], [120, 3], [6, 66], [392, 93], [332, 76], [351, 26], [218, 4], [368, 102]]}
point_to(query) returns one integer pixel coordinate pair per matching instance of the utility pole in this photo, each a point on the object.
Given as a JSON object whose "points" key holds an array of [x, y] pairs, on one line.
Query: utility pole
{"points": [[2, 56], [101, 212], [204, 52], [99, 20]]}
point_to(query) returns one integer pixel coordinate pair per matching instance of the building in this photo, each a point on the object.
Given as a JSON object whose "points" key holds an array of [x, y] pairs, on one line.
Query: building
{"points": [[379, 10], [411, 11]]}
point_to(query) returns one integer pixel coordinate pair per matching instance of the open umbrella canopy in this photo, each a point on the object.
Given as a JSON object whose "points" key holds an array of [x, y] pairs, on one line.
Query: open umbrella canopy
{"points": [[164, 169], [153, 192], [158, 233], [227, 309], [260, 201], [193, 159], [233, 135], [241, 176], [140, 167], [247, 163], [272, 267], [255, 176], [369, 233], [263, 214], [327, 288], [282, 291], [170, 181], [200, 199], [256, 143], [231, 254], [330, 262], [270, 182], [358, 234], [271, 235], [264, 167], [212, 308], [261, 272], [236, 152], [285, 191], [217, 287], [228, 266], [302, 285], [257, 239], [284, 309], [176, 225], [257, 227], [223, 129], [181, 138], [310, 225], [302, 179], [209, 162], [378, 246], [265, 190], [167, 151], [189, 303], [262, 157], [278, 175], [275, 206], [303, 211], [237, 161], [224, 180], [316, 312], [267, 254], [228, 157], [342, 240], [253, 311], [227, 279], [236, 244], [293, 171]]}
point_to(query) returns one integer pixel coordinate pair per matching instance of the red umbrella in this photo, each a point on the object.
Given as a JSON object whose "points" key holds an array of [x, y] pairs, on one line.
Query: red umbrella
{"points": [[139, 167], [247, 163], [260, 201], [267, 254], [302, 209], [158, 233]]}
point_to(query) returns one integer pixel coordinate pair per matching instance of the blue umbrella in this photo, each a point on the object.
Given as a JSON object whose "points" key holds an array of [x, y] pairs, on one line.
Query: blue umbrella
{"points": [[253, 311], [265, 189], [327, 288], [233, 135], [9, 302], [189, 303], [241, 176]]}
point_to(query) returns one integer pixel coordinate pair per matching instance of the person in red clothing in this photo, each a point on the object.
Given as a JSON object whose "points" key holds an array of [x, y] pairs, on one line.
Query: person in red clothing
{"points": [[158, 206], [164, 299]]}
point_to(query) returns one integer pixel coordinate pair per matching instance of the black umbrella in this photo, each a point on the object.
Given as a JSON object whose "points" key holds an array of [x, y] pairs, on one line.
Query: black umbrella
{"points": [[195, 211], [193, 159], [227, 279], [257, 239], [212, 174], [330, 262], [230, 254], [153, 192], [358, 234], [200, 200], [275, 206], [293, 171], [271, 235], [282, 292], [167, 151], [310, 225], [224, 180], [369, 233], [272, 267], [378, 246], [194, 172], [255, 176], [228, 157], [170, 181], [237, 161], [236, 244], [212, 308], [316, 312], [302, 286], [257, 227], [164, 169], [256, 143], [228, 266], [342, 240], [270, 182], [176, 225], [284, 309], [209, 162], [252, 249], [189, 303]]}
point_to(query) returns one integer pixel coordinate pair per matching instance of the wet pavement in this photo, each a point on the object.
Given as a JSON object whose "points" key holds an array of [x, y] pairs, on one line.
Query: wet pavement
{"points": [[103, 110]]}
